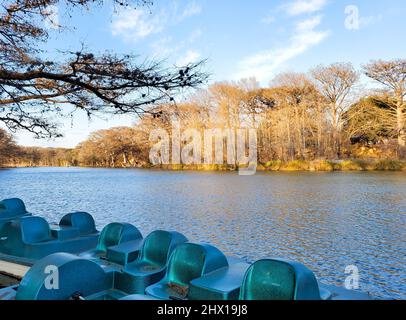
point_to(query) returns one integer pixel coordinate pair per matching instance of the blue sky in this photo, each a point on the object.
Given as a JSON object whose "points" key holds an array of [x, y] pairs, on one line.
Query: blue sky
{"points": [[240, 38]]}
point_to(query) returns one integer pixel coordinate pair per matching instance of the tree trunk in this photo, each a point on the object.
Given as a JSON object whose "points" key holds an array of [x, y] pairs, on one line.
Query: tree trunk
{"points": [[401, 125]]}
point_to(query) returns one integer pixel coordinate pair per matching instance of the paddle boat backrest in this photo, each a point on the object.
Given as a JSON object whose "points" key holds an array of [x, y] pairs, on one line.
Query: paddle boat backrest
{"points": [[16, 235], [115, 233], [190, 261], [274, 279], [12, 208], [82, 221], [27, 230], [35, 230], [158, 246]]}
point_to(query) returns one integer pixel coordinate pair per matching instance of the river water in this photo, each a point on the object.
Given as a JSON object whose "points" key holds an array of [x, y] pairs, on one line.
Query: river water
{"points": [[325, 220]]}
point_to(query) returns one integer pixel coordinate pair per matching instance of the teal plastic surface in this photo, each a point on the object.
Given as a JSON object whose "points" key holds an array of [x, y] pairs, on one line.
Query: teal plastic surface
{"points": [[121, 265], [113, 235], [151, 265], [12, 209], [75, 276], [116, 233], [82, 221], [125, 252], [221, 284], [29, 238], [275, 279], [187, 262]]}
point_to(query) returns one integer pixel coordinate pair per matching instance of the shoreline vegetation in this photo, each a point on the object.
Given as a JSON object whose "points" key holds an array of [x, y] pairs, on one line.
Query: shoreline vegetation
{"points": [[302, 122], [299, 118], [270, 166]]}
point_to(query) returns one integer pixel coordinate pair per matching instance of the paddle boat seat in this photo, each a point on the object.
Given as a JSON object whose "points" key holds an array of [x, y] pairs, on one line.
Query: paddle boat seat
{"points": [[79, 278], [150, 267], [12, 209], [31, 238], [118, 242], [221, 284], [82, 221], [187, 262], [274, 279]]}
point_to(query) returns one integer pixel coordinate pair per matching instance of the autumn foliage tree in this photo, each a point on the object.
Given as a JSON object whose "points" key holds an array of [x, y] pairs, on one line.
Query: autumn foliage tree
{"points": [[8, 147]]}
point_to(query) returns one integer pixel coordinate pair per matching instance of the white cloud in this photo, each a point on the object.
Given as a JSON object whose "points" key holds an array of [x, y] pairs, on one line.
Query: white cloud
{"points": [[299, 7], [190, 57], [135, 24], [263, 65], [192, 9], [163, 47], [167, 46], [269, 19]]}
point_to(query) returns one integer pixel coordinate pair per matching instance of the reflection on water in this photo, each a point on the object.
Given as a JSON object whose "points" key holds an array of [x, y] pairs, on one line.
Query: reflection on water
{"points": [[324, 220]]}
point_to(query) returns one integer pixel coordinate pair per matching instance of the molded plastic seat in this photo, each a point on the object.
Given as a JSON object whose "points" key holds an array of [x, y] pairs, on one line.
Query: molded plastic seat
{"points": [[273, 279], [116, 233], [187, 262], [35, 230], [151, 264], [18, 235], [113, 235], [11, 209], [29, 238], [82, 221]]}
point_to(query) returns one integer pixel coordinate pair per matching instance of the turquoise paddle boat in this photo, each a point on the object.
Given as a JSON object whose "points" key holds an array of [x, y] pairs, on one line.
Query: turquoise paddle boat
{"points": [[31, 238], [72, 261], [118, 242], [193, 272], [25, 239], [12, 209], [98, 279]]}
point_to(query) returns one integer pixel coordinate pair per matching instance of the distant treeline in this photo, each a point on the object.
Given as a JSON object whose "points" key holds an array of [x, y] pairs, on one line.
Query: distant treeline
{"points": [[12, 155], [300, 119]]}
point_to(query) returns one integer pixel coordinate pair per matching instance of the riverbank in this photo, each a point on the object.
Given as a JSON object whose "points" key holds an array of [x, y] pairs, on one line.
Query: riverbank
{"points": [[302, 165], [278, 165]]}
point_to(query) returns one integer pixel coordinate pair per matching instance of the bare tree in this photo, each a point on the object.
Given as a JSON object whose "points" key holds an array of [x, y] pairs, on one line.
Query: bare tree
{"points": [[31, 87], [392, 74], [335, 82], [299, 96]]}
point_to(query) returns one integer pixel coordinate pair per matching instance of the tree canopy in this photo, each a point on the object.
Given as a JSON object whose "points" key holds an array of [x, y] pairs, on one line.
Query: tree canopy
{"points": [[33, 90]]}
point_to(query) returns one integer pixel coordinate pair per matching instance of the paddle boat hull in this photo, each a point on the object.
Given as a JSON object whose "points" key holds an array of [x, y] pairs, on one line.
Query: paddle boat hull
{"points": [[74, 261]]}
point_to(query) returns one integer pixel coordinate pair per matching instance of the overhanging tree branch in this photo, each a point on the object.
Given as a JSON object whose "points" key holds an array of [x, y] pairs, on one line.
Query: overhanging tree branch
{"points": [[32, 88]]}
